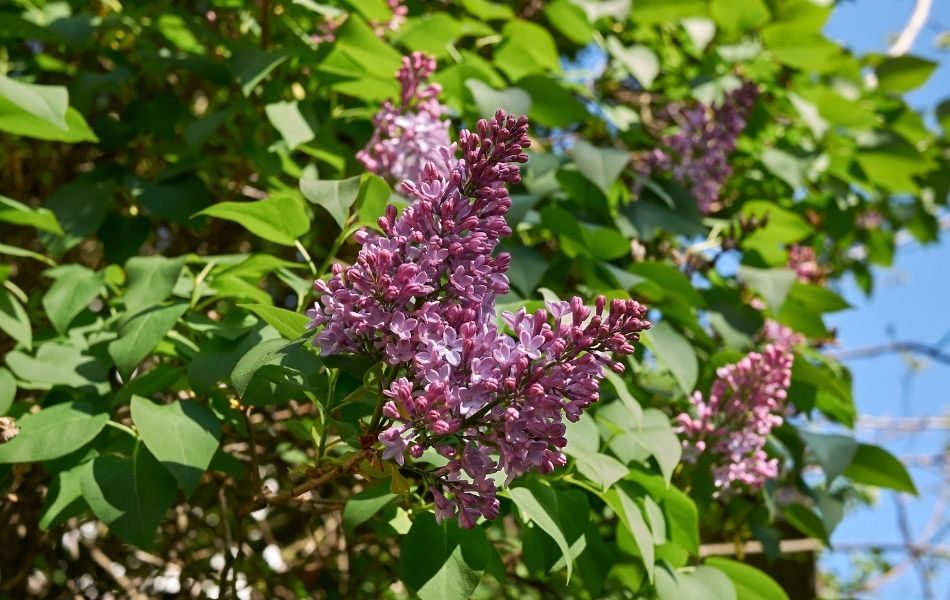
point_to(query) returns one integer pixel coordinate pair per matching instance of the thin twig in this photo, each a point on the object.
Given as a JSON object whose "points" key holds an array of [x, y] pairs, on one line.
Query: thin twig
{"points": [[228, 543], [114, 570]]}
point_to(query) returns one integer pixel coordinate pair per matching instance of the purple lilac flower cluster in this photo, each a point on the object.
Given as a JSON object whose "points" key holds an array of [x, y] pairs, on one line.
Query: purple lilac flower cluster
{"points": [[408, 136], [740, 413], [697, 154], [421, 297]]}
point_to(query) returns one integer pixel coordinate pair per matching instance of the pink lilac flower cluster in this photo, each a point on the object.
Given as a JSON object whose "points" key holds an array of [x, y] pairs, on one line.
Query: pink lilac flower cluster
{"points": [[421, 297], [743, 407], [326, 29], [804, 261], [408, 136], [697, 155], [399, 14]]}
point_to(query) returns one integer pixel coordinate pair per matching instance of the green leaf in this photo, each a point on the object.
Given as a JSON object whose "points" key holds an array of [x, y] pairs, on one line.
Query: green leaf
{"points": [[626, 398], [701, 31], [47, 102], [64, 498], [151, 279], [442, 562], [77, 130], [834, 452], [75, 287], [750, 583], [489, 11], [23, 252], [617, 9], [772, 284], [640, 61], [513, 100], [18, 213], [700, 583], [287, 119], [527, 49], [372, 200], [7, 390], [290, 324], [817, 298], [183, 435], [140, 333], [269, 352], [569, 18], [280, 219], [130, 495], [14, 320], [806, 521], [683, 519], [362, 506], [251, 66], [738, 16], [806, 50], [555, 512], [336, 196], [600, 468], [57, 364], [601, 166], [432, 33], [876, 466], [676, 353], [658, 437], [53, 432], [632, 518], [904, 73], [552, 104]]}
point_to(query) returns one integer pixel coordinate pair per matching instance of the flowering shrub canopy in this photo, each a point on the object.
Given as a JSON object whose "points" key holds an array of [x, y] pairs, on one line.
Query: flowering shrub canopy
{"points": [[572, 262]]}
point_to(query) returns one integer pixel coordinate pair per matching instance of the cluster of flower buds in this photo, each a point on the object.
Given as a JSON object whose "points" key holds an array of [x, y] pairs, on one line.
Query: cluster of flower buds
{"points": [[697, 154], [409, 135], [421, 297], [745, 403]]}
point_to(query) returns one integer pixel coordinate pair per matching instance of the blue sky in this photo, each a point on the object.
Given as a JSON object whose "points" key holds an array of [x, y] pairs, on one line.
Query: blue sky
{"points": [[911, 301]]}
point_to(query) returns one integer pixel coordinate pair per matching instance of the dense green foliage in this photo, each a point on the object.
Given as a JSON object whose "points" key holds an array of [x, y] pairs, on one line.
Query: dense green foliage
{"points": [[174, 179]]}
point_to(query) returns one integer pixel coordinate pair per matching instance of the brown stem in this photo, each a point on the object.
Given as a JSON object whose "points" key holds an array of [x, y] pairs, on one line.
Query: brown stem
{"points": [[319, 479]]}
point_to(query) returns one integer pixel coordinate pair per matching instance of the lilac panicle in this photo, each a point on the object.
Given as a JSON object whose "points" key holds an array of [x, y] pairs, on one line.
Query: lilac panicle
{"points": [[421, 297], [745, 403], [408, 135], [697, 155]]}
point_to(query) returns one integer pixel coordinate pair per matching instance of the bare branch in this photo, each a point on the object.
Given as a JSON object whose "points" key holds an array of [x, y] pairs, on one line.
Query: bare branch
{"points": [[911, 347], [904, 525], [918, 18], [317, 480]]}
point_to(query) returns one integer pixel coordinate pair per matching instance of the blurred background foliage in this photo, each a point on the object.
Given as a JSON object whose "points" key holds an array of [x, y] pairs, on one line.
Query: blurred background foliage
{"points": [[157, 247]]}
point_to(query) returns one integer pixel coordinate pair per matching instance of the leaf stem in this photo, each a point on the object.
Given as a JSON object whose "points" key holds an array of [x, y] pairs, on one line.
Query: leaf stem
{"points": [[306, 255]]}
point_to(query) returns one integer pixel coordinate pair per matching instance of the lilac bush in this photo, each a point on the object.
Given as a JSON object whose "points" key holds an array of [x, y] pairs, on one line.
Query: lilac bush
{"points": [[410, 134], [421, 298]]}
